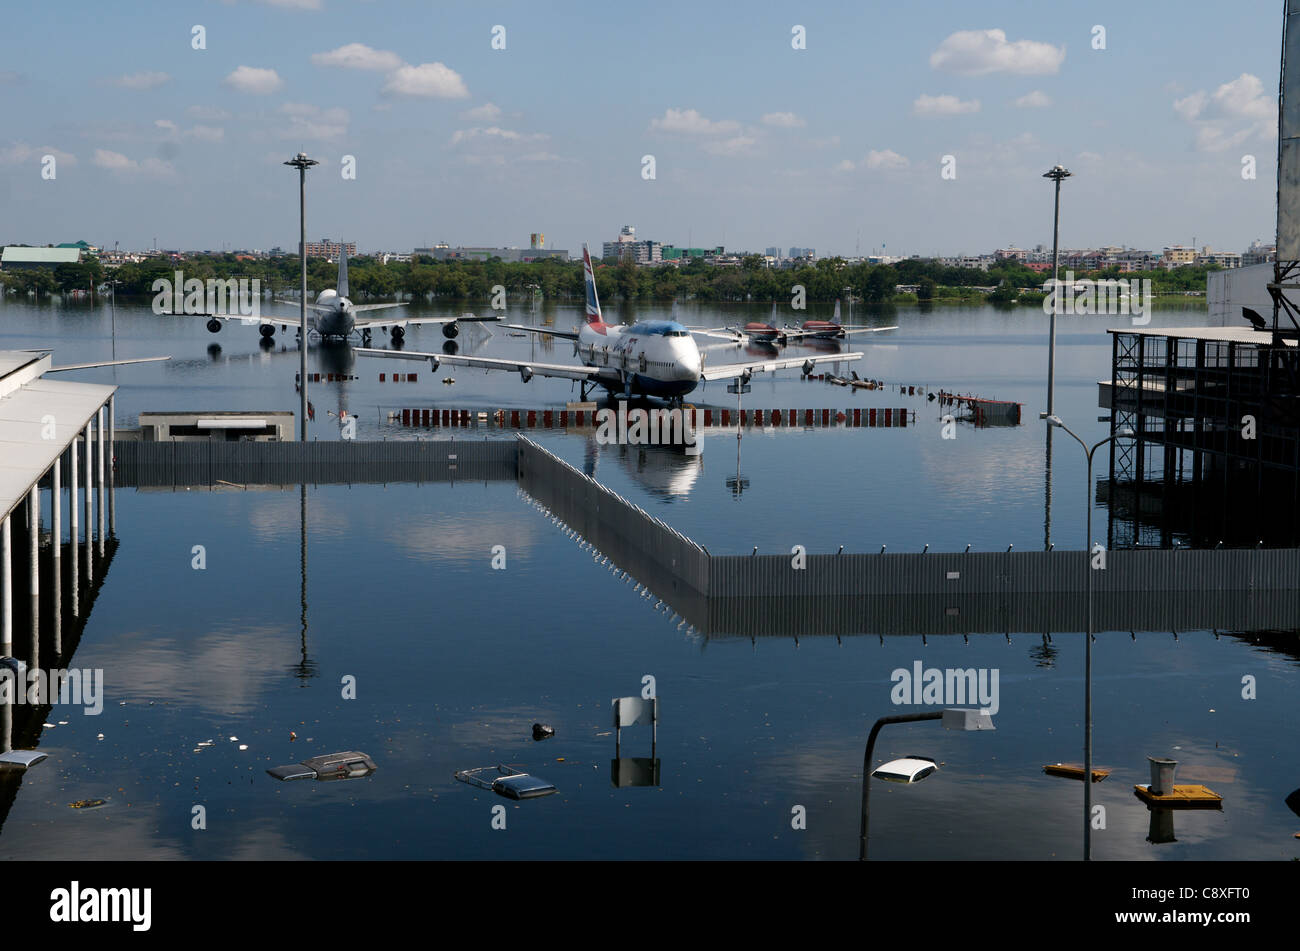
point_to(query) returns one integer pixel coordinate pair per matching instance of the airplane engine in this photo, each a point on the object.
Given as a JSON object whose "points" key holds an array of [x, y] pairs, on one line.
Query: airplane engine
{"points": [[213, 325], [525, 373], [450, 330], [808, 367], [397, 333], [267, 330]]}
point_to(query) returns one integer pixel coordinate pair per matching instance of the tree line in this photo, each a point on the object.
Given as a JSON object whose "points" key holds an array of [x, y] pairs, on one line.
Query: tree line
{"points": [[427, 278]]}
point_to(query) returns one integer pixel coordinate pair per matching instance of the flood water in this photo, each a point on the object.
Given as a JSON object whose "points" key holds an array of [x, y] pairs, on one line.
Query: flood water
{"points": [[452, 662]]}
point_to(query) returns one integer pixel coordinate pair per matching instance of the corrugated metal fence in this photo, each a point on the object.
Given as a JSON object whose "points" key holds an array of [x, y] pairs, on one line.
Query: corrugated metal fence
{"points": [[1014, 572], [641, 544], [161, 464]]}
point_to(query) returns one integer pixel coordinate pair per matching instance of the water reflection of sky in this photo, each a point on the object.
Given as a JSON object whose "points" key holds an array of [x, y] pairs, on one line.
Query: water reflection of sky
{"points": [[454, 662]]}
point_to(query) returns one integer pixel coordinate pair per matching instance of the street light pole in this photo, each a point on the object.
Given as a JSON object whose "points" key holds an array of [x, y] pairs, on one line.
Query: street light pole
{"points": [[953, 719], [1057, 173], [301, 162], [1087, 637]]}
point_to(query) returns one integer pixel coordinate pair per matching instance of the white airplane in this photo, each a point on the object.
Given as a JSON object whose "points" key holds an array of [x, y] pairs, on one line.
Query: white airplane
{"points": [[657, 358], [335, 317]]}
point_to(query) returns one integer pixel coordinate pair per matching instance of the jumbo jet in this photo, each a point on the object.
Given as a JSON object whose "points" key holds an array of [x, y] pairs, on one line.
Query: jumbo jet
{"points": [[335, 317], [658, 358]]}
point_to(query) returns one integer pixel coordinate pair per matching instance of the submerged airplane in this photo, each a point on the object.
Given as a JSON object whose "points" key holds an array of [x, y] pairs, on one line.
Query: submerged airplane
{"points": [[658, 358], [811, 329], [335, 317]]}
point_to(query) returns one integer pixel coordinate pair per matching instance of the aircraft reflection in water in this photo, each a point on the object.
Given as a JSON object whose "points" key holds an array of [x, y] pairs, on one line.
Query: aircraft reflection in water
{"points": [[666, 472]]}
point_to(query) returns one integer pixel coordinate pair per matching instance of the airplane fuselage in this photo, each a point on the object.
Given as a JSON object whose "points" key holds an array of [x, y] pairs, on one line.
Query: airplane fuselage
{"points": [[652, 358], [337, 321]]}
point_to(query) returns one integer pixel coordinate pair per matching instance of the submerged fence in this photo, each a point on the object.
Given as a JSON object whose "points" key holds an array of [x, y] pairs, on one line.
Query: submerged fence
{"points": [[644, 546], [173, 464], [931, 592]]}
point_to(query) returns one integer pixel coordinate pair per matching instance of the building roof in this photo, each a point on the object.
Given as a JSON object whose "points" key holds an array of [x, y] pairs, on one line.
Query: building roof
{"points": [[17, 255], [1227, 334], [26, 409]]}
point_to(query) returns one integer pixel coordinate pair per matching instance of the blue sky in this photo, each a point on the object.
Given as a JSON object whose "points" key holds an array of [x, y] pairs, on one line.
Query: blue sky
{"points": [[755, 143]]}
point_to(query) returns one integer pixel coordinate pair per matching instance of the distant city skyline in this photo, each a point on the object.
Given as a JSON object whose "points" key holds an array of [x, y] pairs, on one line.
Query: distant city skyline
{"points": [[887, 131]]}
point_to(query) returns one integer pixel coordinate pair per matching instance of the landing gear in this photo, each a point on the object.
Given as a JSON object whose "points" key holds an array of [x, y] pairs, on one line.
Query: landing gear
{"points": [[365, 338]]}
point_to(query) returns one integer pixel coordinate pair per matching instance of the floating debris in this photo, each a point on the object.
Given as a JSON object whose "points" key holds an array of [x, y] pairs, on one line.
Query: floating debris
{"points": [[542, 731], [88, 804], [349, 765], [507, 782]]}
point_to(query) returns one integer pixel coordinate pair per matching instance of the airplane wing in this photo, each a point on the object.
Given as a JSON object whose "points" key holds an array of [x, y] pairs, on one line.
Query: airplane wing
{"points": [[795, 333], [362, 323], [524, 368], [729, 371], [562, 334], [724, 334], [290, 303], [105, 363], [287, 323]]}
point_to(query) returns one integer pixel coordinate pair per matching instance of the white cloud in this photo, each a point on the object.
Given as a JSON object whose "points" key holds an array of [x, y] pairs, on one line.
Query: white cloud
{"points": [[488, 112], [736, 145], [252, 79], [1034, 100], [426, 81], [143, 80], [117, 162], [166, 125], [461, 136], [936, 107], [877, 159], [690, 122], [1237, 111], [886, 159], [783, 120], [312, 122], [359, 56], [22, 152], [980, 52]]}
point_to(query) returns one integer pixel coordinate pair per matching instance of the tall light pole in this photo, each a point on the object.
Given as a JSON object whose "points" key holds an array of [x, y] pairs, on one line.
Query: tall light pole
{"points": [[1057, 173], [1087, 637], [953, 719], [302, 163]]}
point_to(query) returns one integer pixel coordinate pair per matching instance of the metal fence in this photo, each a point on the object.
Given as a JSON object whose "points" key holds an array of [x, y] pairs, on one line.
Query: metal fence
{"points": [[645, 546], [1028, 572], [159, 464]]}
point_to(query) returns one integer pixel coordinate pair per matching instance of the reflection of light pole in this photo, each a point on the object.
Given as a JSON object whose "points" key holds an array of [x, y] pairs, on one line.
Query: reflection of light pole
{"points": [[1087, 637], [302, 163], [953, 719], [1056, 174]]}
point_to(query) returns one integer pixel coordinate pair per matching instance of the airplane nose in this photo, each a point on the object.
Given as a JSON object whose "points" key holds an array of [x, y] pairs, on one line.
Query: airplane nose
{"points": [[690, 363]]}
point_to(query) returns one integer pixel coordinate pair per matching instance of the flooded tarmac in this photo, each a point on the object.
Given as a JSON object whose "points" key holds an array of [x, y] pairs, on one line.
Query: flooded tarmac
{"points": [[372, 618]]}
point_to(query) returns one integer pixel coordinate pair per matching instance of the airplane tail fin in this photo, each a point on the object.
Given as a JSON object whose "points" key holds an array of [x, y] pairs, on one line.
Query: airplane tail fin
{"points": [[836, 319], [593, 314], [343, 273]]}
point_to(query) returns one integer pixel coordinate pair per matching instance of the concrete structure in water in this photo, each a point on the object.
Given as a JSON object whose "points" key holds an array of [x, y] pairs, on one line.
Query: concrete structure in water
{"points": [[48, 430]]}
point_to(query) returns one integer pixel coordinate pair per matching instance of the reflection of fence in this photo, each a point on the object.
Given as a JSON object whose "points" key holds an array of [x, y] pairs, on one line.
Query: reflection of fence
{"points": [[636, 541], [161, 464], [1016, 572]]}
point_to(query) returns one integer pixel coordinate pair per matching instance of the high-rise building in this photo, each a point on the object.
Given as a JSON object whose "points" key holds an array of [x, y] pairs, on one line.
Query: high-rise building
{"points": [[325, 248]]}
